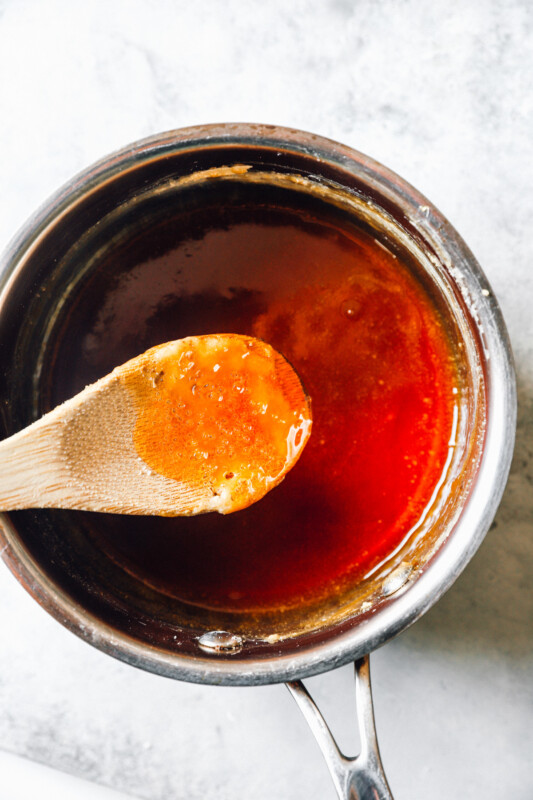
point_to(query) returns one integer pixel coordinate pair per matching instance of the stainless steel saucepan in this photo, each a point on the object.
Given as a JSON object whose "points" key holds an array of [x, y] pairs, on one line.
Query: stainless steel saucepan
{"points": [[65, 249]]}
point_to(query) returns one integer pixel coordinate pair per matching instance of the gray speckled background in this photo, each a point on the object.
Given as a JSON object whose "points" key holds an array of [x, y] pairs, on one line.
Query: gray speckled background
{"points": [[440, 92]]}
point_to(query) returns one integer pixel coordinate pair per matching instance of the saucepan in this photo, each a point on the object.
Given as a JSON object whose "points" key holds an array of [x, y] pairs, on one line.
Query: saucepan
{"points": [[73, 276]]}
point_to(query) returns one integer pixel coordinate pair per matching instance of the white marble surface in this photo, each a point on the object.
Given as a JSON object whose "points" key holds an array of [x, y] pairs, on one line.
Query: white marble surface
{"points": [[442, 93], [23, 779]]}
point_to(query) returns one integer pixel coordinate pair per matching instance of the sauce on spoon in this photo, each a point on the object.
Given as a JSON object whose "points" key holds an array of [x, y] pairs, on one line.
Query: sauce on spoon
{"points": [[227, 411]]}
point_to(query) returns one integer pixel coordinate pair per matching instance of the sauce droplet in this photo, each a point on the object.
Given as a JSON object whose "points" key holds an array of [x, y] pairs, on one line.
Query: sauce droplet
{"points": [[351, 308]]}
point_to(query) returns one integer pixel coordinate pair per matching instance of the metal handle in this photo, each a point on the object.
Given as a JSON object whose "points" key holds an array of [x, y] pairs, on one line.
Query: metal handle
{"points": [[362, 777]]}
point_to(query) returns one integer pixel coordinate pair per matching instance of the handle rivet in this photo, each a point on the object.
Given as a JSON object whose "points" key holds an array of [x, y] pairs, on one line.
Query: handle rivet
{"points": [[397, 578], [220, 642]]}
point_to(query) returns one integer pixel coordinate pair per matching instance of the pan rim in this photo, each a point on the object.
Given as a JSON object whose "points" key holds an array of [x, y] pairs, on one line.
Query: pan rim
{"points": [[451, 558]]}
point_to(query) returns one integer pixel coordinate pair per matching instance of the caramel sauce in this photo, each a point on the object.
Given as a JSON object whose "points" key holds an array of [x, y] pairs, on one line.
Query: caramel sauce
{"points": [[225, 412], [365, 337]]}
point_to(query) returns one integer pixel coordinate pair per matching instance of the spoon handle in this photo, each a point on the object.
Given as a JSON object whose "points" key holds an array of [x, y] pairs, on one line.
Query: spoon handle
{"points": [[31, 472]]}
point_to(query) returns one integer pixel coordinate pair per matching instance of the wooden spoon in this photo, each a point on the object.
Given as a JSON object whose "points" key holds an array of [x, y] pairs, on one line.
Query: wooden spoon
{"points": [[207, 423]]}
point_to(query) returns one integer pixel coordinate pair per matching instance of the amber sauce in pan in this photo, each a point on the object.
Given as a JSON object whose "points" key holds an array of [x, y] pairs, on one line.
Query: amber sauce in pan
{"points": [[370, 349]]}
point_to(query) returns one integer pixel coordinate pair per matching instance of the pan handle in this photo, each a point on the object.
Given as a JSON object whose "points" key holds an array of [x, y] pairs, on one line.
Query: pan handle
{"points": [[362, 777]]}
